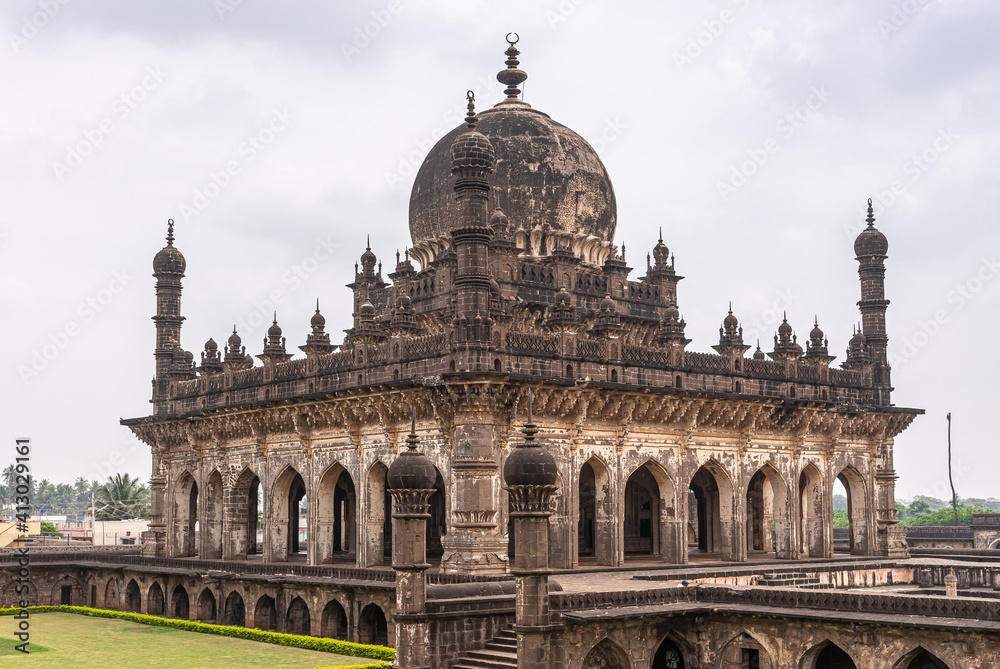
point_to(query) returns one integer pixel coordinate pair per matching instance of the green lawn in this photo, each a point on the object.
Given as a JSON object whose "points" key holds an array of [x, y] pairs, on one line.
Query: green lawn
{"points": [[71, 640]]}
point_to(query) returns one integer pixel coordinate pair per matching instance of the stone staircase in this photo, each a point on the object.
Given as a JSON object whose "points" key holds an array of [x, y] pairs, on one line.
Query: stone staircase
{"points": [[791, 579], [500, 653]]}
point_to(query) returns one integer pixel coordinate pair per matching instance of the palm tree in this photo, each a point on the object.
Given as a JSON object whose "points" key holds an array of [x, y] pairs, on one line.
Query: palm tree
{"points": [[122, 496]]}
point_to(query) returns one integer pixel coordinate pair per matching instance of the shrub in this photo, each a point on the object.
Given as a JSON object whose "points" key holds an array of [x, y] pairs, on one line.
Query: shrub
{"points": [[295, 641]]}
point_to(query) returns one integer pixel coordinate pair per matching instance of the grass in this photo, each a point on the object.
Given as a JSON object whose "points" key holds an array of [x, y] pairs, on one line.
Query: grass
{"points": [[71, 640]]}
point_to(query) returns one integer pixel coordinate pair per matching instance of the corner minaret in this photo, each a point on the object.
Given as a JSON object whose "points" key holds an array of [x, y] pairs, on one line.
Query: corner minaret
{"points": [[168, 268], [870, 249], [473, 159]]}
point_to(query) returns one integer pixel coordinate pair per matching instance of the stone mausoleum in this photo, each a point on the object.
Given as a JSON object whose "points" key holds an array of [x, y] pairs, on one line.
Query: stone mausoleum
{"points": [[369, 488]]}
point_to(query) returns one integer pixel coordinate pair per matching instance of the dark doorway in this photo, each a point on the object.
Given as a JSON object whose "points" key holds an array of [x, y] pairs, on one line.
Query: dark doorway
{"points": [[832, 657], [66, 595]]}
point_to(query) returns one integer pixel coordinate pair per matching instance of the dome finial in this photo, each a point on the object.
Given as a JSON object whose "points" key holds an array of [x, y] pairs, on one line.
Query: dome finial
{"points": [[170, 232], [661, 234], [412, 439], [871, 214], [730, 306], [470, 118], [512, 77]]}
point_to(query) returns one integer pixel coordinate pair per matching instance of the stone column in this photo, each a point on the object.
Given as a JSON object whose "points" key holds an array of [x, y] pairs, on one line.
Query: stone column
{"points": [[411, 484], [530, 474]]}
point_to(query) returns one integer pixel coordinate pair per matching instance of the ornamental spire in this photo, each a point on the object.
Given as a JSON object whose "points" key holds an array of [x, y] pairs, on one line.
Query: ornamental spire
{"points": [[170, 231], [470, 117], [512, 76], [871, 214]]}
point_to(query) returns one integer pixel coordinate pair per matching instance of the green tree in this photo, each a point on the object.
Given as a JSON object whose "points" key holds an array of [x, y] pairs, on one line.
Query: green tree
{"points": [[122, 496], [919, 506]]}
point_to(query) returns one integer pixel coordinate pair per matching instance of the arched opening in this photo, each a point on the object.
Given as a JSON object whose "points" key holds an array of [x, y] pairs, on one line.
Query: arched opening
{"points": [[451, 366], [336, 525], [179, 604], [832, 656], [372, 626], [678, 382], [811, 541], [745, 652], [497, 365], [111, 600], [595, 536], [211, 525], [236, 612], [920, 659], [614, 376], [185, 516], [668, 656], [854, 489], [712, 516], [265, 615], [154, 600], [642, 513], [289, 529], [206, 605], [334, 621], [606, 655], [244, 516], [437, 525], [569, 371], [297, 621], [378, 524], [767, 514], [395, 375], [133, 597]]}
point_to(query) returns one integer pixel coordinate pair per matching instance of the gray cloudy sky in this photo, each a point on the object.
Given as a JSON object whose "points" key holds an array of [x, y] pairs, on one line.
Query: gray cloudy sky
{"points": [[278, 135]]}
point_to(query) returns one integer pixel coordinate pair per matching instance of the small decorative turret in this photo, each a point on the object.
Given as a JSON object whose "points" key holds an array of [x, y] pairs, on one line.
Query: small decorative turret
{"points": [[607, 322], [211, 360], [561, 316], [759, 354], [731, 338], [274, 344], [857, 349], [660, 271], [168, 268], [500, 224], [236, 353], [404, 320], [318, 341], [818, 347], [786, 346]]}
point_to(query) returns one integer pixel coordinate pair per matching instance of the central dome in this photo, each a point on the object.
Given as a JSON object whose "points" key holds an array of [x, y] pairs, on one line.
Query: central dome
{"points": [[547, 176]]}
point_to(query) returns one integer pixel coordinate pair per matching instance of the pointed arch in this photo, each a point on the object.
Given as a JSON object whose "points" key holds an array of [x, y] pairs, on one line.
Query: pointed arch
{"points": [[672, 652], [378, 518], [133, 597], [606, 654], [827, 655], [713, 490], [265, 614], [243, 516], [920, 658], [334, 622], [180, 606], [745, 650], [287, 493], [372, 626], [185, 516], [768, 522], [812, 542], [297, 620], [154, 600], [211, 517], [207, 606], [235, 612], [857, 509], [595, 524], [336, 509], [111, 594], [650, 517]]}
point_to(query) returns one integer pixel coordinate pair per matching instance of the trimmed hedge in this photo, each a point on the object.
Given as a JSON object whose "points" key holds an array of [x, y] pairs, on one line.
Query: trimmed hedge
{"points": [[372, 665], [322, 645]]}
